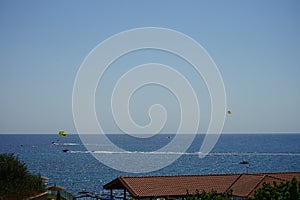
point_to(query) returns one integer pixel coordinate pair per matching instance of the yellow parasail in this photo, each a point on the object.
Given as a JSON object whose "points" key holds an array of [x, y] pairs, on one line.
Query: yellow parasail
{"points": [[62, 133]]}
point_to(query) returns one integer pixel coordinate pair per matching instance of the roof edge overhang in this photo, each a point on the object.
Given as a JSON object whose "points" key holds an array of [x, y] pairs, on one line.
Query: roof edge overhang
{"points": [[120, 183]]}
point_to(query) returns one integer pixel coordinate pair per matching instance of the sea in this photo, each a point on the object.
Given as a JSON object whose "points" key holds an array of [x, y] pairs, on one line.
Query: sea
{"points": [[68, 163]]}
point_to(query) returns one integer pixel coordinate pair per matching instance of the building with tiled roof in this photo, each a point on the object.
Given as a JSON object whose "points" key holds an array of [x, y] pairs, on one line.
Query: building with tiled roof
{"points": [[242, 185]]}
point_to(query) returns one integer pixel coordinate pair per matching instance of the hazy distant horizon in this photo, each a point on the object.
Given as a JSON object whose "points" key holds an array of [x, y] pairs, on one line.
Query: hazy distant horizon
{"points": [[167, 133]]}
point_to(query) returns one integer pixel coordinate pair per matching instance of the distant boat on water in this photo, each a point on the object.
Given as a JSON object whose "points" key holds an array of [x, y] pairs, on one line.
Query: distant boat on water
{"points": [[244, 162]]}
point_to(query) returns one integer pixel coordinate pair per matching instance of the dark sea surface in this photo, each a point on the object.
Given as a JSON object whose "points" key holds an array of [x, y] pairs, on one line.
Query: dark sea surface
{"points": [[78, 169]]}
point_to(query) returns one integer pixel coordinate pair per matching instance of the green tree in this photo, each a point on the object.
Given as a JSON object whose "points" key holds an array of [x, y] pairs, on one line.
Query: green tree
{"points": [[212, 195], [15, 180], [289, 190]]}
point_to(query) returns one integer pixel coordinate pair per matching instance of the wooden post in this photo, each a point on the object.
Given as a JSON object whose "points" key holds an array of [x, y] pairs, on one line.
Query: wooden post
{"points": [[111, 194], [124, 197]]}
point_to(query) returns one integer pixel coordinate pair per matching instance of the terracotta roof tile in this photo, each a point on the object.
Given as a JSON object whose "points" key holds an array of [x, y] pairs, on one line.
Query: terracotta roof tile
{"points": [[178, 185], [285, 175], [245, 184], [162, 186], [266, 179]]}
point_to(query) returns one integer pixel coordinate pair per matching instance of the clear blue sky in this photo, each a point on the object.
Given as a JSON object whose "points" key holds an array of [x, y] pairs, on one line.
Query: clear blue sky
{"points": [[255, 44]]}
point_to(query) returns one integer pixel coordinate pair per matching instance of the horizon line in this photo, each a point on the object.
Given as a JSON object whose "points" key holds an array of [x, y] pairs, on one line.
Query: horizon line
{"points": [[119, 133]]}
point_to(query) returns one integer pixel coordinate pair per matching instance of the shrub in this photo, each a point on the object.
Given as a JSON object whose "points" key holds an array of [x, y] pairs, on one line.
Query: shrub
{"points": [[212, 195], [289, 190], [16, 182]]}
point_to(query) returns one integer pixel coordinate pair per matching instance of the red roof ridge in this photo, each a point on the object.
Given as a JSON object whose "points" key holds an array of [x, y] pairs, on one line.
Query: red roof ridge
{"points": [[180, 175], [234, 182], [260, 176], [274, 173], [276, 177], [282, 172], [263, 177], [128, 186]]}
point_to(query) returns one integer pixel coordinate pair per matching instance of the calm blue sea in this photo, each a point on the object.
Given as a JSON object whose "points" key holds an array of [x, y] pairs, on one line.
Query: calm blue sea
{"points": [[78, 169]]}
